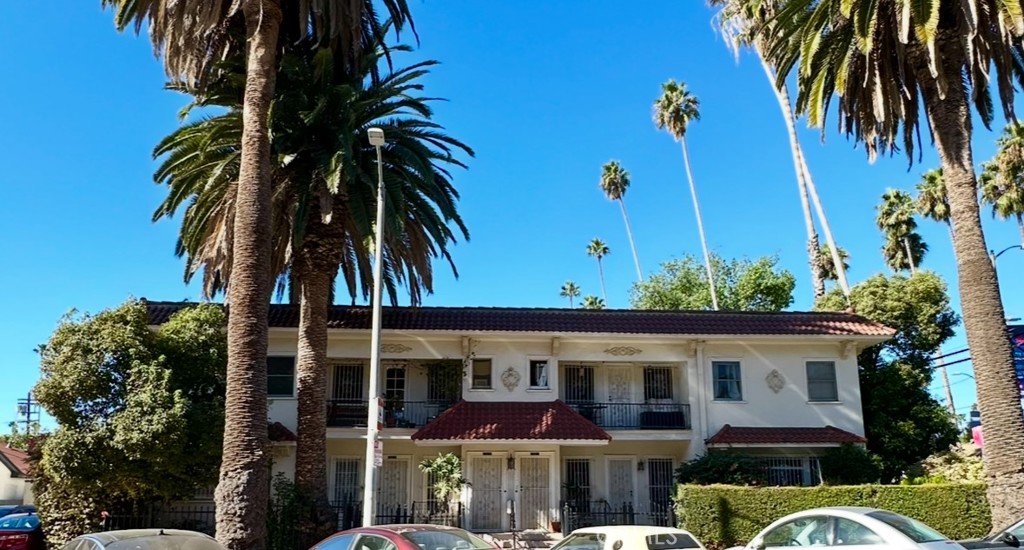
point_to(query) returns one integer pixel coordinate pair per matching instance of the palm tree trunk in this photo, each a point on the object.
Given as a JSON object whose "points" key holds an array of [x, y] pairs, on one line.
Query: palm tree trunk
{"points": [[910, 256], [244, 489], [632, 243], [941, 364], [700, 226], [813, 247], [983, 314], [1020, 226], [600, 272], [825, 228]]}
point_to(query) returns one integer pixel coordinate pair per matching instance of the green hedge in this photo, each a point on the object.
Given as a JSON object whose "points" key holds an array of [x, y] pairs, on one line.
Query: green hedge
{"points": [[726, 515]]}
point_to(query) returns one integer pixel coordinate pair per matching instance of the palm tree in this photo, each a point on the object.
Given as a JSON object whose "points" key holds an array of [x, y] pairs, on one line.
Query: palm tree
{"points": [[599, 250], [883, 65], [827, 264], [570, 291], [314, 236], [740, 24], [614, 183], [673, 112], [592, 302], [896, 220], [1004, 191]]}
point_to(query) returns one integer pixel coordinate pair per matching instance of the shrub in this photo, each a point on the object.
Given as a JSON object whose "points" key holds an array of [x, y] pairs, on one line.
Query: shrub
{"points": [[724, 468], [722, 516], [960, 464], [849, 465]]}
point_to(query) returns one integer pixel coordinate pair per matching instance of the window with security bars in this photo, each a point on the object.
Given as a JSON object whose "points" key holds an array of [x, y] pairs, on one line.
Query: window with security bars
{"points": [[433, 505], [578, 381], [348, 381], [444, 384], [346, 481], [659, 480], [791, 471], [657, 383], [577, 481]]}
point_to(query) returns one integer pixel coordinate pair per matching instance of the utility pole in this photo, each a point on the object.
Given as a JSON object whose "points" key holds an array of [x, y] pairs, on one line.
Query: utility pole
{"points": [[28, 412]]}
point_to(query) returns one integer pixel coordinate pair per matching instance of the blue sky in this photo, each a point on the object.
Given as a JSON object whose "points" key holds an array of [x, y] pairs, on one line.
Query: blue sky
{"points": [[545, 95]]}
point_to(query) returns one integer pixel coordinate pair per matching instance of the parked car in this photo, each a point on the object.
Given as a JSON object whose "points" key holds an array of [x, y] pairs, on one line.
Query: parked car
{"points": [[849, 526], [404, 537], [1001, 539], [8, 509], [144, 539], [21, 532], [629, 537]]}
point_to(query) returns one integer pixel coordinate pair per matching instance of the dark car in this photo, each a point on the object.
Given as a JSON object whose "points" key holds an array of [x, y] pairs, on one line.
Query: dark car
{"points": [[144, 539], [21, 532], [8, 509], [1007, 538], [404, 537]]}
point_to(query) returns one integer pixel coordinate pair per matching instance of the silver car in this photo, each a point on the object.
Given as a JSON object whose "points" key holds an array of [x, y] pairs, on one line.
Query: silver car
{"points": [[144, 539]]}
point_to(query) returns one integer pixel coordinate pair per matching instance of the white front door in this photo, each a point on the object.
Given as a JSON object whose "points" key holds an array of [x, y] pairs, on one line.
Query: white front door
{"points": [[533, 473], [621, 478], [487, 486], [394, 486], [620, 395]]}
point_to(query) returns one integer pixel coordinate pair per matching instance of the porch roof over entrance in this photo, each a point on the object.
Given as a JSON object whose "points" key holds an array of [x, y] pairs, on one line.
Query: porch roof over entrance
{"points": [[742, 436], [480, 421]]}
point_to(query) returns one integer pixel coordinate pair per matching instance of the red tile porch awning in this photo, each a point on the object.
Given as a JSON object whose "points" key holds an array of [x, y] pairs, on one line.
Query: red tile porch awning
{"points": [[741, 436], [511, 421]]}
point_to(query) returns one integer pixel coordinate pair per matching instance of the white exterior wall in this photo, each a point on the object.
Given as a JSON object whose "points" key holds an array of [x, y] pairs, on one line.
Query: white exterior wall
{"points": [[12, 489]]}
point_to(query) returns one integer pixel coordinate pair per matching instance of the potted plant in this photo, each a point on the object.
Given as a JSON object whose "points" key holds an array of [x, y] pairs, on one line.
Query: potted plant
{"points": [[392, 411]]}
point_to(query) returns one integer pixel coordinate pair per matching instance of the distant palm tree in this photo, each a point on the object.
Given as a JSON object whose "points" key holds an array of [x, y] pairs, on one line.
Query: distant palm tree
{"points": [[592, 302], [673, 112], [614, 183], [599, 250], [896, 220], [932, 200], [827, 265], [1004, 190], [570, 290]]}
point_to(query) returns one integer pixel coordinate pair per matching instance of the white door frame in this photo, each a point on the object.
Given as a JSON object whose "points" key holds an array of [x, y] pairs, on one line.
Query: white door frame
{"points": [[608, 476], [409, 495], [553, 490], [467, 491]]}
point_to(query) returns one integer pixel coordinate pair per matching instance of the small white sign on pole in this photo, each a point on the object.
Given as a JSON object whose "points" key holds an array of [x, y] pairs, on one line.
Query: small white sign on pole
{"points": [[378, 453]]}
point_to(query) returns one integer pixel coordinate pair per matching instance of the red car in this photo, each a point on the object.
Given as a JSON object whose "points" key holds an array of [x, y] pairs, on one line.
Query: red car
{"points": [[21, 532], [404, 537]]}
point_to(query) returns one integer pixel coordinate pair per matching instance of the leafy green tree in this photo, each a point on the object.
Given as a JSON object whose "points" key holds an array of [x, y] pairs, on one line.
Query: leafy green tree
{"points": [[1004, 190], [570, 290], [721, 467], [673, 112], [849, 465], [598, 249], [592, 302], [886, 69], [22, 437], [902, 421], [140, 413], [615, 183], [744, 285]]}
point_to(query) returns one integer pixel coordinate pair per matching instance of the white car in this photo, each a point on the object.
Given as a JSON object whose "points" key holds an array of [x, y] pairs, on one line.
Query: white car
{"points": [[629, 537], [852, 529]]}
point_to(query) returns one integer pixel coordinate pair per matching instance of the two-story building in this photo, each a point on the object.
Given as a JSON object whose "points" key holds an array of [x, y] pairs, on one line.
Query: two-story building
{"points": [[594, 407]]}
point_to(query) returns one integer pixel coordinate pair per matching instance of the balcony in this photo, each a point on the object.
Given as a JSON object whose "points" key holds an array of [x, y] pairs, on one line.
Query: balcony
{"points": [[635, 416], [349, 413]]}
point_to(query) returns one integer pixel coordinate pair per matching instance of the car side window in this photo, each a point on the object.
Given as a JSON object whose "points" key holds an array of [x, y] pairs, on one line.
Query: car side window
{"points": [[340, 542], [1018, 531], [808, 531], [374, 542], [851, 533], [80, 544]]}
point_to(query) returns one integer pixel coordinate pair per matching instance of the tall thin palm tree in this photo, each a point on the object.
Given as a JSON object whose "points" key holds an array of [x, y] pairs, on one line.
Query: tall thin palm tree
{"points": [[593, 302], [673, 112], [887, 69], [896, 220], [1004, 191], [614, 183], [570, 290], [827, 265], [598, 249]]}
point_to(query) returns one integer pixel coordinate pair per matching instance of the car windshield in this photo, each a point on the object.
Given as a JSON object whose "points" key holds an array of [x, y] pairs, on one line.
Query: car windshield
{"points": [[581, 541], [166, 542], [446, 540], [4, 510], [913, 529], [22, 523], [671, 541]]}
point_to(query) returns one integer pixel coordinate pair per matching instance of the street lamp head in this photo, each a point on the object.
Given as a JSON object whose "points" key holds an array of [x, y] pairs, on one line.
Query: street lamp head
{"points": [[376, 136]]}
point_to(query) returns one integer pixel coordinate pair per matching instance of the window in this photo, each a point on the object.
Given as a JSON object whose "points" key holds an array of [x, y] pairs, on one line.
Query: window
{"points": [[581, 541], [430, 538], [671, 541], [913, 529], [444, 382], [791, 471], [394, 385], [660, 481], [337, 542], [851, 533], [348, 382], [539, 374], [728, 386], [657, 383], [280, 376], [579, 384], [821, 381], [577, 481], [374, 542], [346, 481], [808, 531], [481, 374]]}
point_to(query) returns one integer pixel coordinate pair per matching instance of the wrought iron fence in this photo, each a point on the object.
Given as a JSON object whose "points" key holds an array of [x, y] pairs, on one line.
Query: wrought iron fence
{"points": [[635, 416], [591, 513], [191, 517], [347, 413], [421, 512]]}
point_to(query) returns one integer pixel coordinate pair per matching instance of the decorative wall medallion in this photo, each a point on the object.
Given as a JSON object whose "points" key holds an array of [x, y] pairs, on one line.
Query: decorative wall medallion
{"points": [[510, 378], [775, 381], [619, 351], [394, 348]]}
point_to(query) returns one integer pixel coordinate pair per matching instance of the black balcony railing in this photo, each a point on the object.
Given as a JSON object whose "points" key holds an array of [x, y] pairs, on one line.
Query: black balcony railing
{"points": [[590, 513], [635, 416], [347, 413]]}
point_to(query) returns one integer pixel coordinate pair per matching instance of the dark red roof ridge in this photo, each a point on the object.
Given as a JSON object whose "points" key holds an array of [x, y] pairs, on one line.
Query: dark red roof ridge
{"points": [[510, 420], [751, 435]]}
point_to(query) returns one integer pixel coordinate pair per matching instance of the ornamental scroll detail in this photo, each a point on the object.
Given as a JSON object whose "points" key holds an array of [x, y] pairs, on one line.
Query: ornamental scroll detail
{"points": [[620, 351], [775, 381], [394, 348], [510, 378]]}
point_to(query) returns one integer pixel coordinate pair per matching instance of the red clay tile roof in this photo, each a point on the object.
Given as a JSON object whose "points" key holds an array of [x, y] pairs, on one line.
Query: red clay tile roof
{"points": [[18, 460], [510, 420], [279, 432], [738, 435], [609, 321]]}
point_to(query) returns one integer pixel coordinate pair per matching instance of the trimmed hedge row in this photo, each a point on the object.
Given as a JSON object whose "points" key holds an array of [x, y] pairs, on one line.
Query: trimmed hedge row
{"points": [[727, 515]]}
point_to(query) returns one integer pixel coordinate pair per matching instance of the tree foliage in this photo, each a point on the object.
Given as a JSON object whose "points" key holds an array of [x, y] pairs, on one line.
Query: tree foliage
{"points": [[902, 421], [446, 470], [741, 285], [140, 412], [849, 465], [721, 468]]}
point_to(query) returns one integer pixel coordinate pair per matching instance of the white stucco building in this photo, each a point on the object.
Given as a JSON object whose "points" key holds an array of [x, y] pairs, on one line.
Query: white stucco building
{"points": [[549, 405], [15, 477]]}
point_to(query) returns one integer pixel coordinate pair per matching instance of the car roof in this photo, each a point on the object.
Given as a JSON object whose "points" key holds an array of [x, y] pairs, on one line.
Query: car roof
{"points": [[108, 537], [407, 527], [633, 530], [858, 510]]}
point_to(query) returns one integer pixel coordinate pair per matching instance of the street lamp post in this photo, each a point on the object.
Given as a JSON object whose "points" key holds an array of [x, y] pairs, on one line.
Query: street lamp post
{"points": [[373, 405], [995, 255]]}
